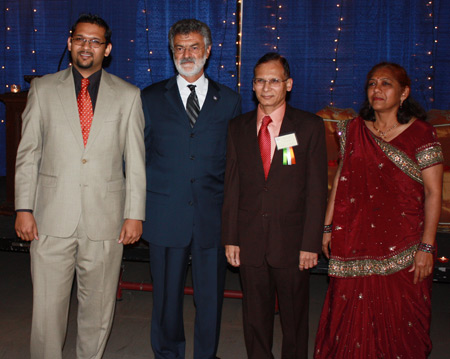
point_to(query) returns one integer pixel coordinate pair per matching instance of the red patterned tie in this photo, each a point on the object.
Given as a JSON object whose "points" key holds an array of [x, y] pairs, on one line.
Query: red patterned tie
{"points": [[85, 110], [264, 144]]}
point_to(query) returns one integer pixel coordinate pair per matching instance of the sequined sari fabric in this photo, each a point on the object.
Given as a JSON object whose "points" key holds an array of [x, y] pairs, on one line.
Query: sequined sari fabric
{"points": [[372, 308]]}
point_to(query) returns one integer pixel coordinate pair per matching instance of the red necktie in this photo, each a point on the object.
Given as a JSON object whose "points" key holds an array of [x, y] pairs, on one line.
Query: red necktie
{"points": [[85, 110], [264, 144]]}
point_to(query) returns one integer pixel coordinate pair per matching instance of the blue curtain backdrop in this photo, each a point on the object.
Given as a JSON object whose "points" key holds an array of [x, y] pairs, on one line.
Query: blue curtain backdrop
{"points": [[413, 33], [330, 44]]}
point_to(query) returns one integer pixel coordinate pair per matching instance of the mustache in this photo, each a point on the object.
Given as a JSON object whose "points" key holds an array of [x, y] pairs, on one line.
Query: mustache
{"points": [[187, 59]]}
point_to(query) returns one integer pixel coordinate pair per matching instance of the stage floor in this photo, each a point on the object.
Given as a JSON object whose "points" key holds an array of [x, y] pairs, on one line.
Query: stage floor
{"points": [[130, 337]]}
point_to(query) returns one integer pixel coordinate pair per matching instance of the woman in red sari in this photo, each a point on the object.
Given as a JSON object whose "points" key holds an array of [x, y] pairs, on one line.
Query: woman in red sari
{"points": [[380, 227]]}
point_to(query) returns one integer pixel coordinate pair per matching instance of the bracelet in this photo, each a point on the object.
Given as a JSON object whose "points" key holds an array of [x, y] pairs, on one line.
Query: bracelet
{"points": [[328, 228], [425, 247]]}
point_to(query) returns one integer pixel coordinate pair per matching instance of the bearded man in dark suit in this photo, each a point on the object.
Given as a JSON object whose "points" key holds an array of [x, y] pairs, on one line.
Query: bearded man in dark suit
{"points": [[186, 120]]}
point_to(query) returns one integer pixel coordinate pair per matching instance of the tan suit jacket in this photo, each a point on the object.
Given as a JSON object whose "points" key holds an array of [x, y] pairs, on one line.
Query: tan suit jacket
{"points": [[61, 180]]}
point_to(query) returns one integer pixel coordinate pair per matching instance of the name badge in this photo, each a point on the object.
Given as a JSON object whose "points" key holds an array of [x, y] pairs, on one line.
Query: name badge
{"points": [[286, 141]]}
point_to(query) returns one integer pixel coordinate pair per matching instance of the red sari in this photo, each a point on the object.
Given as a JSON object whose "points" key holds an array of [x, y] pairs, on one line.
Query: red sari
{"points": [[372, 308]]}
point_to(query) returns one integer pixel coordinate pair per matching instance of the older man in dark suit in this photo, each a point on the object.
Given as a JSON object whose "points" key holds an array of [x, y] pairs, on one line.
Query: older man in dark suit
{"points": [[186, 120], [275, 197]]}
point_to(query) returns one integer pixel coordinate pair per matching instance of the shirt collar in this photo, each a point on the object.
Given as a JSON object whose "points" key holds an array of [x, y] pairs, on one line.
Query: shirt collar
{"points": [[94, 79], [201, 84], [276, 116]]}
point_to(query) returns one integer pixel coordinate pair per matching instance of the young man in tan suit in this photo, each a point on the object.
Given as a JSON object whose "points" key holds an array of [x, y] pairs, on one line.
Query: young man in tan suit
{"points": [[82, 130]]}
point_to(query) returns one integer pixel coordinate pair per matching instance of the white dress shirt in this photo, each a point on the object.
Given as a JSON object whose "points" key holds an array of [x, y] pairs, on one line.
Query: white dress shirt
{"points": [[201, 89]]}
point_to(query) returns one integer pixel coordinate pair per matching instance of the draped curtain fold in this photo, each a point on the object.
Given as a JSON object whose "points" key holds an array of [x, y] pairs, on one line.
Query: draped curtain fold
{"points": [[328, 65]]}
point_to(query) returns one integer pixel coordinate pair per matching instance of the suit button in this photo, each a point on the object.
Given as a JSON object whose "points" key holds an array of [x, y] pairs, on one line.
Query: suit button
{"points": [[84, 160], [265, 215], [191, 203], [192, 157], [192, 135], [265, 189], [192, 180]]}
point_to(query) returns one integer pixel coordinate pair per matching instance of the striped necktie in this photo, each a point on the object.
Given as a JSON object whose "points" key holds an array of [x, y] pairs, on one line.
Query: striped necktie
{"points": [[192, 106]]}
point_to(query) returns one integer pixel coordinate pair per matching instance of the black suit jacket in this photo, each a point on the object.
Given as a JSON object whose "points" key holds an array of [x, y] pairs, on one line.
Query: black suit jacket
{"points": [[278, 217], [185, 166]]}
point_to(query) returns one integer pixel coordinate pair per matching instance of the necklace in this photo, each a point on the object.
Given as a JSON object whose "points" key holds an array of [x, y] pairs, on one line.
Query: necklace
{"points": [[384, 133]]}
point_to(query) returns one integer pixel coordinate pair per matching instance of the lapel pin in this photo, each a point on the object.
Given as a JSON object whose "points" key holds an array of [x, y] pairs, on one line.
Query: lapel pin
{"points": [[215, 98]]}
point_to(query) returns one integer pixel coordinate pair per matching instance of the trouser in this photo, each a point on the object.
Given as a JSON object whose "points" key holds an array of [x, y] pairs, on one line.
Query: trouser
{"points": [[260, 286], [168, 266], [53, 264]]}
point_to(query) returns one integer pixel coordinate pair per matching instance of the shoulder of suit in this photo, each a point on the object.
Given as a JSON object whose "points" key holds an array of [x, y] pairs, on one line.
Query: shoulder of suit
{"points": [[51, 79], [113, 80], [301, 114], [225, 90], [117, 81], [243, 118], [157, 87], [303, 118]]}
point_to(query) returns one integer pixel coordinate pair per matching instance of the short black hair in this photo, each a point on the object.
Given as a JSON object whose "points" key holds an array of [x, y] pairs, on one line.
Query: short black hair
{"points": [[93, 19], [274, 56], [186, 26]]}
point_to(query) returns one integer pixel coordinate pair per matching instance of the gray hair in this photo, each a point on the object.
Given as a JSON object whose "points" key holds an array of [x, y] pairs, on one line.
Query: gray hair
{"points": [[186, 26]]}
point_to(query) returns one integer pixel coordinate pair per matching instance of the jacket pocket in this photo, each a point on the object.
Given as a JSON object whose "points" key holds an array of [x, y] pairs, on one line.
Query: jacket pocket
{"points": [[115, 186], [47, 180], [293, 219]]}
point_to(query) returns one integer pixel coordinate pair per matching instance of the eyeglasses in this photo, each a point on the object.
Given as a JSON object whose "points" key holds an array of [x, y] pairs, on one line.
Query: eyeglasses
{"points": [[80, 41], [272, 82], [192, 49]]}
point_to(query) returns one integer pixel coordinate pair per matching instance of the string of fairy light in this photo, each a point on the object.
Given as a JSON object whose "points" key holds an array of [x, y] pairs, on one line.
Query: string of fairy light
{"points": [[7, 47], [239, 15], [35, 35], [150, 52], [227, 25], [432, 52], [6, 42], [278, 19], [337, 39], [275, 28]]}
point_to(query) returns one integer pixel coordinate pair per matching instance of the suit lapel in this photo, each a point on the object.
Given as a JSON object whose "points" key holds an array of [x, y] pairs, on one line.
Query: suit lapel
{"points": [[287, 126], [174, 99], [251, 145], [68, 98], [212, 98], [105, 99]]}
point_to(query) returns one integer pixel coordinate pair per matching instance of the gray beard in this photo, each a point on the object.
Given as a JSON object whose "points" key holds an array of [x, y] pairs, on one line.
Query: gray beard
{"points": [[198, 66]]}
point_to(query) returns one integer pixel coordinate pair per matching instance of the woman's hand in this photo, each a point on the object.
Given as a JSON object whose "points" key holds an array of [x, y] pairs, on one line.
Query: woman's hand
{"points": [[326, 244], [422, 266]]}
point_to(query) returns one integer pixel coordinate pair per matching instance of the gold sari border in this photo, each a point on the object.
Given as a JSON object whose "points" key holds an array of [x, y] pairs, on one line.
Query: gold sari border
{"points": [[342, 132], [429, 155], [400, 159], [369, 266]]}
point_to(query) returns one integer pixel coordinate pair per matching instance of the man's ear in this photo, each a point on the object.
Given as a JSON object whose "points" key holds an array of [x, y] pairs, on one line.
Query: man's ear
{"points": [[289, 84], [108, 49]]}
